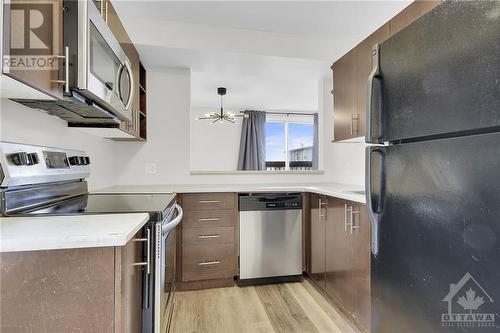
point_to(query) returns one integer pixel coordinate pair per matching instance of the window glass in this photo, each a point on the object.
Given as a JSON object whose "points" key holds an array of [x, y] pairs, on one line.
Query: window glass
{"points": [[275, 145], [289, 142], [300, 146]]}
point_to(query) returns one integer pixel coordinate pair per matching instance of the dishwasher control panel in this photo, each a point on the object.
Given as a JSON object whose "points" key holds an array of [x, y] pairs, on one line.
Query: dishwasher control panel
{"points": [[274, 201]]}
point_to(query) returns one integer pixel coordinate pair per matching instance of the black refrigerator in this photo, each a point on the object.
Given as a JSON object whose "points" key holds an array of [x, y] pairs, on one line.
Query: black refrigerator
{"points": [[433, 172]]}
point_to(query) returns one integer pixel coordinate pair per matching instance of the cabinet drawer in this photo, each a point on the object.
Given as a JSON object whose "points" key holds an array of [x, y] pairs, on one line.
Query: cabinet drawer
{"points": [[206, 236], [207, 262], [208, 218], [203, 201]]}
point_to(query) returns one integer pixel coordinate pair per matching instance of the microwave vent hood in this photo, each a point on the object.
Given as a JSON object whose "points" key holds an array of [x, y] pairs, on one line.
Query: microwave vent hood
{"points": [[75, 109]]}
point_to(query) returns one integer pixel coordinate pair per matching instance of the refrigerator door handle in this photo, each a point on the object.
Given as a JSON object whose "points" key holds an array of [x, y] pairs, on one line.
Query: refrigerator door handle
{"points": [[374, 76], [374, 212]]}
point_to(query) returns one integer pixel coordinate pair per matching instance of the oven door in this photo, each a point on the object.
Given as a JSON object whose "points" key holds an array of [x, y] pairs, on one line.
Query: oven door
{"points": [[165, 270], [108, 78]]}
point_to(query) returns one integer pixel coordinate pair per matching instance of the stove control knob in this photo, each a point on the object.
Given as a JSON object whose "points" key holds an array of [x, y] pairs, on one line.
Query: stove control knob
{"points": [[32, 158], [86, 160], [20, 158], [73, 160]]}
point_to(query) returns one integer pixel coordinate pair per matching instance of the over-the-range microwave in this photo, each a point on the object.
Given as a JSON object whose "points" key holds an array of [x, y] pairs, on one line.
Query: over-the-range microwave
{"points": [[97, 74]]}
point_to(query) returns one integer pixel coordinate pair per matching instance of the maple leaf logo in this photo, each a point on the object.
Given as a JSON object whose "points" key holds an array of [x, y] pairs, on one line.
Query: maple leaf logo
{"points": [[470, 301]]}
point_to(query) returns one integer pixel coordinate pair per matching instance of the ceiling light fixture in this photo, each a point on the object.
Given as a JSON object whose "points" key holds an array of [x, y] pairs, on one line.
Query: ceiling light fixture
{"points": [[222, 116]]}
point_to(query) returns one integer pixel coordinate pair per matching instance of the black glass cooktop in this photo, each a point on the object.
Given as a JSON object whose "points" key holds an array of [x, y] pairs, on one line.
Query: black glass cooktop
{"points": [[157, 205]]}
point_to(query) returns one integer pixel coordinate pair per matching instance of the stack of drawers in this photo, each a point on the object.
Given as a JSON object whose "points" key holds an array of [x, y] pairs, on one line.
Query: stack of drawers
{"points": [[208, 236]]}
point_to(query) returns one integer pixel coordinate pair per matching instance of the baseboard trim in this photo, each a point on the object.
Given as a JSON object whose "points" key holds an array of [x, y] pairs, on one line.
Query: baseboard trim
{"points": [[204, 284], [268, 280]]}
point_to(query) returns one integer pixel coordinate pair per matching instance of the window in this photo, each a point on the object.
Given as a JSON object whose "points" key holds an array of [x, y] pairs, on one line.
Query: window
{"points": [[290, 142]]}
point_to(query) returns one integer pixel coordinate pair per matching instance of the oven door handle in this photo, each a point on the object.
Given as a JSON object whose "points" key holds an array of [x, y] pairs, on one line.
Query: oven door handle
{"points": [[167, 227]]}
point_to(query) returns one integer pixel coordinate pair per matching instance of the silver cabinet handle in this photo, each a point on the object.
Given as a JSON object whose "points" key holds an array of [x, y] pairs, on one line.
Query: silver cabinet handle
{"points": [[208, 201], [354, 118], [208, 263], [148, 243], [208, 219], [353, 226], [66, 69], [319, 208], [208, 236], [346, 224], [321, 203]]}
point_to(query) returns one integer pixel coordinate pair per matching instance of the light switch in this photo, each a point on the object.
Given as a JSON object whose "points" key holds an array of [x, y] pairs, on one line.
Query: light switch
{"points": [[150, 168]]}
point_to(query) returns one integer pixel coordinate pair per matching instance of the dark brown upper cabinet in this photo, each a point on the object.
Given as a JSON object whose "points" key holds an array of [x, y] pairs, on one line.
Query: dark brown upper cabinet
{"points": [[35, 55], [350, 74], [346, 117]]}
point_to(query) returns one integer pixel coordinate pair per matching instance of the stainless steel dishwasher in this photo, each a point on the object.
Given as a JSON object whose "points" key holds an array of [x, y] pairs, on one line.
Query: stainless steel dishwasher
{"points": [[270, 238]]}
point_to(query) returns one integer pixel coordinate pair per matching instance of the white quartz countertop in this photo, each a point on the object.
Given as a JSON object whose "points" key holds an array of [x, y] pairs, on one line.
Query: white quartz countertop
{"points": [[342, 191], [68, 232]]}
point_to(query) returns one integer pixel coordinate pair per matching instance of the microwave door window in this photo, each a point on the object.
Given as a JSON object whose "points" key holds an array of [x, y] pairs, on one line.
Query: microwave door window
{"points": [[103, 62]]}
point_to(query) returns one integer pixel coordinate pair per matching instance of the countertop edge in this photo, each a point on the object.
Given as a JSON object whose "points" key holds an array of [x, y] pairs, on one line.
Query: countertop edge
{"points": [[241, 188], [57, 242]]}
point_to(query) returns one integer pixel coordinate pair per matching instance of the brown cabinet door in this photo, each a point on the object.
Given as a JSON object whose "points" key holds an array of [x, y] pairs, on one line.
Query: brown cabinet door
{"points": [[346, 123], [339, 256], [363, 69], [362, 265], [131, 282], [29, 55], [410, 14], [317, 244]]}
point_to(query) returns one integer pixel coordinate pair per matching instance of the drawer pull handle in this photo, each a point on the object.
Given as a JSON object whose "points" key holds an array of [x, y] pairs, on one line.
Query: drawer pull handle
{"points": [[208, 201], [208, 219], [208, 263], [208, 236]]}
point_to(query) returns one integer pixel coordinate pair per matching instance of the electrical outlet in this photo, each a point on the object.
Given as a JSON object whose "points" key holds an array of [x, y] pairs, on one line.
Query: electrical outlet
{"points": [[150, 168]]}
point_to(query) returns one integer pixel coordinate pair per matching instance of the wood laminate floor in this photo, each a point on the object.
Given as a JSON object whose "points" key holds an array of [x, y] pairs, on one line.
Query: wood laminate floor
{"points": [[290, 307]]}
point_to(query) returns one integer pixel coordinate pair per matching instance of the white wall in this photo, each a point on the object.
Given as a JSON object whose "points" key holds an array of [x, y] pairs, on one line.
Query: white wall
{"points": [[25, 125], [168, 143], [213, 147]]}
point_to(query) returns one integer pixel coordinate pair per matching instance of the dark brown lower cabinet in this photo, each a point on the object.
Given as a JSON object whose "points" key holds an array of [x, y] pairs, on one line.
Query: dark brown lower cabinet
{"points": [[316, 260], [208, 248], [361, 272], [73, 290], [339, 255]]}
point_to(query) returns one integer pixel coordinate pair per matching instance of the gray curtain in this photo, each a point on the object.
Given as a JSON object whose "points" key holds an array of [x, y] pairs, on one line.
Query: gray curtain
{"points": [[315, 155], [252, 144]]}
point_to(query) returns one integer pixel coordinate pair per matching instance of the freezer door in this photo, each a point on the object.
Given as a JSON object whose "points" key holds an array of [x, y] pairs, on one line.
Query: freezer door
{"points": [[435, 214], [440, 75]]}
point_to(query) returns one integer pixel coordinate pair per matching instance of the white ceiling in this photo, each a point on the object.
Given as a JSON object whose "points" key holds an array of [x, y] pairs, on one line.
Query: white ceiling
{"points": [[253, 82], [269, 54], [326, 18]]}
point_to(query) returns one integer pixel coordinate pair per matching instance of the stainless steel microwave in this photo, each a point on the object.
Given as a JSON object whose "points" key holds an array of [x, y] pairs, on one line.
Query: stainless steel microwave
{"points": [[103, 72], [97, 75]]}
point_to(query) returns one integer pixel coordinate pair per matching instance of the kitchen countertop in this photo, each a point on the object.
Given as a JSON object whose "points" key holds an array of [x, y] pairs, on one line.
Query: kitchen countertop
{"points": [[68, 232], [342, 191]]}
